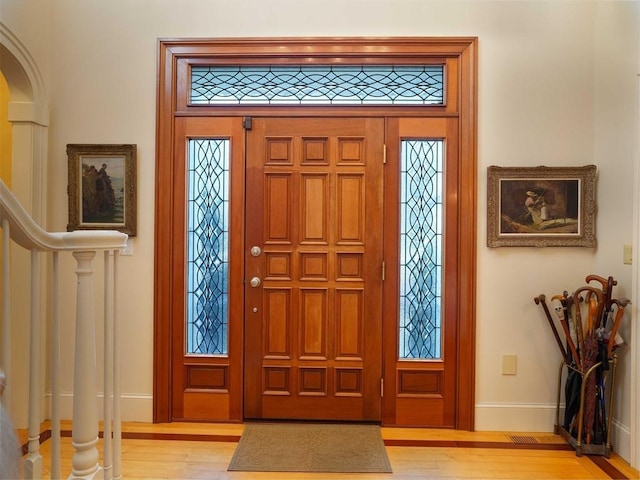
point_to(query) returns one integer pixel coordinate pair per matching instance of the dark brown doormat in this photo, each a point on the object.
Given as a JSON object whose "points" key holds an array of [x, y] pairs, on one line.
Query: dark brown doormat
{"points": [[274, 447]]}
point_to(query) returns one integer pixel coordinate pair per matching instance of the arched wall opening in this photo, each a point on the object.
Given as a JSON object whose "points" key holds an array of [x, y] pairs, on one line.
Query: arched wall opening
{"points": [[24, 169]]}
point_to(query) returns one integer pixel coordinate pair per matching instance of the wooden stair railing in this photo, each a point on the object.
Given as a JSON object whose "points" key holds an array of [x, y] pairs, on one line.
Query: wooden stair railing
{"points": [[18, 228]]}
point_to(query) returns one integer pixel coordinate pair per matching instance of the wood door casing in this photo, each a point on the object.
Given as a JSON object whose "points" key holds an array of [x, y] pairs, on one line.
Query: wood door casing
{"points": [[313, 327], [175, 57]]}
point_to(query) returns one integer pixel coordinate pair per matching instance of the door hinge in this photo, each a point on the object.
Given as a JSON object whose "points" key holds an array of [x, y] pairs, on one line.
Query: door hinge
{"points": [[247, 123], [384, 270], [384, 153], [382, 387]]}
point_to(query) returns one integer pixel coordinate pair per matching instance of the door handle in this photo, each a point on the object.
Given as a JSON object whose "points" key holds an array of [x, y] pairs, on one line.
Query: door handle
{"points": [[254, 282]]}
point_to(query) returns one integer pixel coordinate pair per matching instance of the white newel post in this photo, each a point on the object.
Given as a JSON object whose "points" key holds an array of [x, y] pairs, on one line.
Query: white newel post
{"points": [[85, 409]]}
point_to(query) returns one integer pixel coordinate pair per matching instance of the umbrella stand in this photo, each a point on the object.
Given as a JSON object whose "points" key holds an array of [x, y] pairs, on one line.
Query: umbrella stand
{"points": [[576, 441], [589, 358]]}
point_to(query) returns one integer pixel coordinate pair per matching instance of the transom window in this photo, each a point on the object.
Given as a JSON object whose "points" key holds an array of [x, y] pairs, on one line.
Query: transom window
{"points": [[318, 85]]}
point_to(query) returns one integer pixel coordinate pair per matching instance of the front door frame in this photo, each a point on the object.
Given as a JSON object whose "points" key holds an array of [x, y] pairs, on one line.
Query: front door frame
{"points": [[460, 57]]}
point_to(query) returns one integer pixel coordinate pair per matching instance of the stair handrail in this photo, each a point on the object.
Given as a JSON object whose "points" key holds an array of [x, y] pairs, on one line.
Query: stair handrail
{"points": [[28, 234]]}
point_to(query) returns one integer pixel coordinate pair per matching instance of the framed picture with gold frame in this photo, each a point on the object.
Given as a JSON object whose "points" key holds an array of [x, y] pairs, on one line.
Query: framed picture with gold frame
{"points": [[102, 187], [541, 206]]}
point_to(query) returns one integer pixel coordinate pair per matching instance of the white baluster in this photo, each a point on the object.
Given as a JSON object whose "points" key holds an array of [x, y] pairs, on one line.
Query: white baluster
{"points": [[33, 462], [6, 315], [55, 370], [117, 425], [85, 412], [108, 366]]}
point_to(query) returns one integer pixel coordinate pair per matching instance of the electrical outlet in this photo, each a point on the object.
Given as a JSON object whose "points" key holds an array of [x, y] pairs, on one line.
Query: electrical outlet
{"points": [[627, 258]]}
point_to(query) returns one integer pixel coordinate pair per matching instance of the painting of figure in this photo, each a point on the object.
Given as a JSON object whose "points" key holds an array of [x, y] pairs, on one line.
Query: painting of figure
{"points": [[103, 190], [539, 206]]}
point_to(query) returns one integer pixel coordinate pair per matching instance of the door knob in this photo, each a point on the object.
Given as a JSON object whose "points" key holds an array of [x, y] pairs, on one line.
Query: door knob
{"points": [[254, 282], [255, 251]]}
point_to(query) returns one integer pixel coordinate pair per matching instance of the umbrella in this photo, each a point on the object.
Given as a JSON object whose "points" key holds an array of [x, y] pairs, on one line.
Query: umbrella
{"points": [[589, 359], [589, 350]]}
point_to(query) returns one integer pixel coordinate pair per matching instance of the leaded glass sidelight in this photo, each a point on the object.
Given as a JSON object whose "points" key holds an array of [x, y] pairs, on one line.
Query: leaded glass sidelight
{"points": [[317, 85], [207, 246], [421, 218]]}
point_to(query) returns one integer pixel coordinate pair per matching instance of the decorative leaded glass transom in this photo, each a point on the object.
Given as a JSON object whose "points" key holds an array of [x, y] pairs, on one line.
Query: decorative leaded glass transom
{"points": [[207, 246], [421, 219], [318, 85]]}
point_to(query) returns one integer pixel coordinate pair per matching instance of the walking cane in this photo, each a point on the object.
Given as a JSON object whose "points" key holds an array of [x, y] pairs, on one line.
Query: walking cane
{"points": [[541, 300]]}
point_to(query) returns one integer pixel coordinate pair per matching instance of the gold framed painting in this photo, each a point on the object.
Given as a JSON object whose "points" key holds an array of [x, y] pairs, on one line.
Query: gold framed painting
{"points": [[102, 187], [541, 206]]}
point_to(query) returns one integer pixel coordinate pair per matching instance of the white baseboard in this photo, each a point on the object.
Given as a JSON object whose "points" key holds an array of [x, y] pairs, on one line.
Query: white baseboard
{"points": [[519, 417], [133, 407], [522, 417], [621, 440]]}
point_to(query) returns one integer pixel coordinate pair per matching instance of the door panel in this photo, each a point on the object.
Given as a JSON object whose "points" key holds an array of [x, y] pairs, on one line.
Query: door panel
{"points": [[313, 325]]}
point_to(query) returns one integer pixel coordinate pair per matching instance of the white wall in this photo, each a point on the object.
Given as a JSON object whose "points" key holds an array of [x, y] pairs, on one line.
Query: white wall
{"points": [[635, 329], [556, 87], [615, 101]]}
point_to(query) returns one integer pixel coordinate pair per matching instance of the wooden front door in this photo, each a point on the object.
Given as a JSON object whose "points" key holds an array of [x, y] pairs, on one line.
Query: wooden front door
{"points": [[313, 269]]}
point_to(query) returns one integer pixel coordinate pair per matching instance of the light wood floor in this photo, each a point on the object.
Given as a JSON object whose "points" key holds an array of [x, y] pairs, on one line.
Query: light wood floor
{"points": [[163, 455]]}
